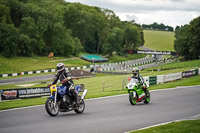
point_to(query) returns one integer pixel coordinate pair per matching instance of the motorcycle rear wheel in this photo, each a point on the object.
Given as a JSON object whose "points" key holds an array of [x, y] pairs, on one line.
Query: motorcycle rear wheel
{"points": [[132, 99], [81, 107], [51, 110]]}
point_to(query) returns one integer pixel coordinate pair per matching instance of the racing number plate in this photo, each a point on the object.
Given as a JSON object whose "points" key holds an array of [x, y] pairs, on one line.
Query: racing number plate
{"points": [[53, 88]]}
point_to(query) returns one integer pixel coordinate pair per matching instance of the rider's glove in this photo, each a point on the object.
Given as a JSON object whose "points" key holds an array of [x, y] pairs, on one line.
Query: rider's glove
{"points": [[64, 81], [144, 87], [49, 85]]}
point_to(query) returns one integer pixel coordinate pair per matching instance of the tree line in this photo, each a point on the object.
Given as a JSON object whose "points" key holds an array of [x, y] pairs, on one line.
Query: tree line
{"points": [[187, 42], [37, 27], [156, 26]]}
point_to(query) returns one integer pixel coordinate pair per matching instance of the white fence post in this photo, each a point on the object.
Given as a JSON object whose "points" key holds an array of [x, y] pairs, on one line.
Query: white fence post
{"points": [[103, 85], [0, 96]]}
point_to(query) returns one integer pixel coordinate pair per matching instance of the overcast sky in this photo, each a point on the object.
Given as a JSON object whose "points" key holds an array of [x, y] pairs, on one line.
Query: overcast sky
{"points": [[168, 12]]}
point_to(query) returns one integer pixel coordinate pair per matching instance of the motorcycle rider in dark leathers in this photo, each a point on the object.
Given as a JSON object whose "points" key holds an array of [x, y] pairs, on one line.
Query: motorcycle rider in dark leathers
{"points": [[137, 75], [66, 80]]}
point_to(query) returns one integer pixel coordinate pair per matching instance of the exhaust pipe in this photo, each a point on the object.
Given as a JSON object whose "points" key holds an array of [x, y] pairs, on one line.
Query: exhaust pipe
{"points": [[84, 93]]}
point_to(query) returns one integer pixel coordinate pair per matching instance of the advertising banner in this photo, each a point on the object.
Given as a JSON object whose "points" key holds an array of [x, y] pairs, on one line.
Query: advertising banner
{"points": [[199, 71], [33, 92], [171, 77], [152, 80], [10, 94], [187, 74], [160, 79], [151, 52]]}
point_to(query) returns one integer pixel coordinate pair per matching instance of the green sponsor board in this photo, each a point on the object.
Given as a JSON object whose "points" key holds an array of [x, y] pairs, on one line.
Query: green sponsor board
{"points": [[152, 80]]}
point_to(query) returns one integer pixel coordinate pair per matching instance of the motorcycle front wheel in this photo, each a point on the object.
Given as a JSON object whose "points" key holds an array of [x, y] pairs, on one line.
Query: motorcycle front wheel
{"points": [[81, 107], [51, 110], [147, 98], [133, 99]]}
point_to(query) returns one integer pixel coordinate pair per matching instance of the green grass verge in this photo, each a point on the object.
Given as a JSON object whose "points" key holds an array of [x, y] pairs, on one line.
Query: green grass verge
{"points": [[177, 65], [159, 40], [21, 64], [189, 126], [113, 86]]}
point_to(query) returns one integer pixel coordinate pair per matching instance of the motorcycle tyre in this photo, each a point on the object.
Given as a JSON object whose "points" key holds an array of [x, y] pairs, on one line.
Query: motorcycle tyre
{"points": [[82, 103], [147, 99], [48, 109], [131, 100]]}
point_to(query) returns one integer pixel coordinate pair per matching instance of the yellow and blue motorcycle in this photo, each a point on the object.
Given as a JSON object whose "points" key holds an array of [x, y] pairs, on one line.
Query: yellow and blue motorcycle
{"points": [[61, 100]]}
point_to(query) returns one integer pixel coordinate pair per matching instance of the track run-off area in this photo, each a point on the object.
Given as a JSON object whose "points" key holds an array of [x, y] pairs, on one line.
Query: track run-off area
{"points": [[112, 114]]}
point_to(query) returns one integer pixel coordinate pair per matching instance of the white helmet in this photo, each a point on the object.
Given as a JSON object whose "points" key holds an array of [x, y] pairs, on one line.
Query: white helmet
{"points": [[60, 67]]}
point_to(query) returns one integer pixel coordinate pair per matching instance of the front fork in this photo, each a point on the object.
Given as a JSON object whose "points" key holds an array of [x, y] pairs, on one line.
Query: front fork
{"points": [[55, 97]]}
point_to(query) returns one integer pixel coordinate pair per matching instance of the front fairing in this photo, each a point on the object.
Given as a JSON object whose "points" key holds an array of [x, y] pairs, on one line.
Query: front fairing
{"points": [[133, 84]]}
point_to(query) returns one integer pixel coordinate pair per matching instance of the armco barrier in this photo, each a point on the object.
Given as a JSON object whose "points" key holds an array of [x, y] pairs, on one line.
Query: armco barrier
{"points": [[42, 71], [9, 94]]}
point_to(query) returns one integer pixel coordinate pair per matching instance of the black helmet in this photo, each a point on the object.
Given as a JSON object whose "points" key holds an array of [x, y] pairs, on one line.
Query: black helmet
{"points": [[60, 67]]}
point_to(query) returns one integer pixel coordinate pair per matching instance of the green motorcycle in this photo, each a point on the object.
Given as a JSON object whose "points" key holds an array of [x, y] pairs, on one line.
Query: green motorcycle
{"points": [[136, 93]]}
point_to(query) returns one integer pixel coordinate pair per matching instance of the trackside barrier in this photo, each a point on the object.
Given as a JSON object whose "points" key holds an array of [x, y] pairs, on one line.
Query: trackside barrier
{"points": [[171, 77], [152, 80], [187, 74], [160, 79], [116, 73], [9, 94], [196, 71], [199, 71], [42, 71]]}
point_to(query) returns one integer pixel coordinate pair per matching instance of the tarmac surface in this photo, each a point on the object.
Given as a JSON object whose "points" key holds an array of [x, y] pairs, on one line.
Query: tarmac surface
{"points": [[107, 115]]}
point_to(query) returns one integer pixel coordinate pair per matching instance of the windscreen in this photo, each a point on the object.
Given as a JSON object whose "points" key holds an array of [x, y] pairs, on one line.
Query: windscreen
{"points": [[134, 80]]}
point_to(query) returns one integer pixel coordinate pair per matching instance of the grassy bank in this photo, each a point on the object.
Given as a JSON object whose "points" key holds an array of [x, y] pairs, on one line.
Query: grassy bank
{"points": [[190, 126], [159, 40], [22, 64]]}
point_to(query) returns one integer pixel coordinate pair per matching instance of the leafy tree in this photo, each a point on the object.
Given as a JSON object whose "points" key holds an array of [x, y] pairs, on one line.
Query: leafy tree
{"points": [[8, 38], [114, 42], [5, 14], [157, 26], [29, 28], [37, 27], [24, 45], [187, 43]]}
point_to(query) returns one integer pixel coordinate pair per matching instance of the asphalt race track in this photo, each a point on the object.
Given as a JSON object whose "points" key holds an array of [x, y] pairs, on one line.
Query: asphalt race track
{"points": [[106, 115], [26, 79]]}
